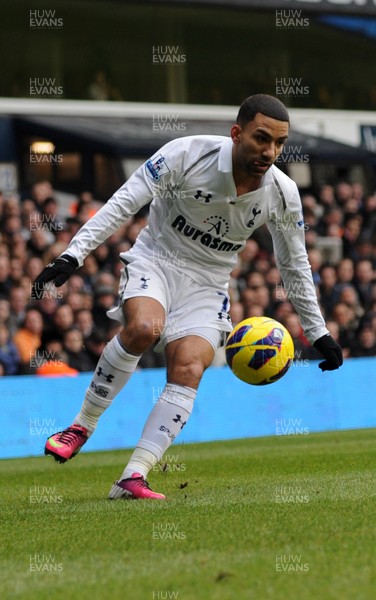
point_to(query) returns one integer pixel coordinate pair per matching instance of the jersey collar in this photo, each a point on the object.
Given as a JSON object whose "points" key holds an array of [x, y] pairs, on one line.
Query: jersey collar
{"points": [[225, 156]]}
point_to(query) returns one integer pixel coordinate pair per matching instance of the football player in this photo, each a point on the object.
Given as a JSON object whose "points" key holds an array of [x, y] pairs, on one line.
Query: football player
{"points": [[208, 195]]}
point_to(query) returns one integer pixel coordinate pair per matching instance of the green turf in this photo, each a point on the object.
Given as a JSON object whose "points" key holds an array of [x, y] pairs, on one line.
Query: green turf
{"points": [[217, 537]]}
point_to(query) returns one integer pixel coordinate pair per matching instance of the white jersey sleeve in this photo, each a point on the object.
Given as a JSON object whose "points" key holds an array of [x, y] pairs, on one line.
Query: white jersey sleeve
{"points": [[127, 201], [287, 229]]}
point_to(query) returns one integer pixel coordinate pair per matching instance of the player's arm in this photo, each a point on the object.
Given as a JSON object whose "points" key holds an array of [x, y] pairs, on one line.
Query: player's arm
{"points": [[127, 201], [287, 232]]}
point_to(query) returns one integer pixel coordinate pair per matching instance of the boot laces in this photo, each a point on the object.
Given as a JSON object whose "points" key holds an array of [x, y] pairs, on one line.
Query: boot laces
{"points": [[69, 436], [140, 482]]}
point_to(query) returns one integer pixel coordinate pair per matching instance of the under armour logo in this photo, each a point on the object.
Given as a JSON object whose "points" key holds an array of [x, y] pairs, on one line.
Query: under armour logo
{"points": [[224, 316], [201, 195], [144, 286], [178, 420], [108, 378], [255, 212]]}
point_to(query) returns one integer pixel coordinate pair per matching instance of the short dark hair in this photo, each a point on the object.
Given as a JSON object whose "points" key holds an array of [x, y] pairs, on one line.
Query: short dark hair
{"points": [[261, 103]]}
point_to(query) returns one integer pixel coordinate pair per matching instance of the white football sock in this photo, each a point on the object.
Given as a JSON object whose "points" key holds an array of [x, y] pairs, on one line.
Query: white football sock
{"points": [[112, 372], [164, 423]]}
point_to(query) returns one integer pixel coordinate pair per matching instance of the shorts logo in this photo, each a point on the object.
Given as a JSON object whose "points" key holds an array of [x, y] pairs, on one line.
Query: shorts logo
{"points": [[156, 168], [145, 285]]}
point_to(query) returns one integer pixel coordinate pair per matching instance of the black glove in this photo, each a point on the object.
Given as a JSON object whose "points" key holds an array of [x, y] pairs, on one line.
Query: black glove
{"points": [[58, 271], [331, 351]]}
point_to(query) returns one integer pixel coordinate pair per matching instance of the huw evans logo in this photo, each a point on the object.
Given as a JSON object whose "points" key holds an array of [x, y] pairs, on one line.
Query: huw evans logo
{"points": [[167, 191], [290, 563], [45, 19], [290, 19], [40, 357], [168, 55], [45, 563], [40, 222], [45, 157], [167, 532], [285, 494], [169, 123], [168, 258], [205, 238], [292, 154], [291, 222], [42, 494], [43, 427], [170, 462], [291, 86], [290, 427], [45, 87]]}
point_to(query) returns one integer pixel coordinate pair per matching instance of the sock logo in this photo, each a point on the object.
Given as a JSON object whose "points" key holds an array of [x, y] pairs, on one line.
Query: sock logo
{"points": [[108, 378], [178, 420], [166, 430], [99, 390]]}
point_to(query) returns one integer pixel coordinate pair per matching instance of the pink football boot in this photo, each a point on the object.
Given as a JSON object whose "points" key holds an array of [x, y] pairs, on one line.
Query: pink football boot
{"points": [[64, 445], [134, 487]]}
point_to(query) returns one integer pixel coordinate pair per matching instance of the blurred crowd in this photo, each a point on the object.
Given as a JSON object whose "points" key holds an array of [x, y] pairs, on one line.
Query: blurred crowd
{"points": [[66, 331]]}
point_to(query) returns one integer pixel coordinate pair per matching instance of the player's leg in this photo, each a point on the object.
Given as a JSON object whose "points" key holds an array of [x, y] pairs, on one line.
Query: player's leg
{"points": [[144, 319], [187, 359]]}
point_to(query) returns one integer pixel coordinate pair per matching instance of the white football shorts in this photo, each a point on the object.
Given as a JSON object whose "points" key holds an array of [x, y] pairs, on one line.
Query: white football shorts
{"points": [[191, 308]]}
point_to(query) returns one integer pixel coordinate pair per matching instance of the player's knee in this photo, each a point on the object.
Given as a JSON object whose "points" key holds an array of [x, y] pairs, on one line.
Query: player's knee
{"points": [[186, 373], [137, 336]]}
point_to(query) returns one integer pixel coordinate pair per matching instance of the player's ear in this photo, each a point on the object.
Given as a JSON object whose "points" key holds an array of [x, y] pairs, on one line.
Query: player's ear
{"points": [[235, 133]]}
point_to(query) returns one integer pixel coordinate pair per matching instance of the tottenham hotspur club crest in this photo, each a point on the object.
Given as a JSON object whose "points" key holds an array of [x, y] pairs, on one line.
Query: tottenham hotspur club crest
{"points": [[255, 212]]}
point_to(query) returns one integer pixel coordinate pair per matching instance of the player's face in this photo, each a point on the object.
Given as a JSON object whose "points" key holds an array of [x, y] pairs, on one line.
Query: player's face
{"points": [[258, 144]]}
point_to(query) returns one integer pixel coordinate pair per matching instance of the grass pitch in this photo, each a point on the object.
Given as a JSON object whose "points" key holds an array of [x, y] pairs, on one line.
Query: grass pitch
{"points": [[288, 517]]}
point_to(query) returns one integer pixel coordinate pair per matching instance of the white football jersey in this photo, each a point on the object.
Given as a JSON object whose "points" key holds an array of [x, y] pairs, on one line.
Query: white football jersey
{"points": [[197, 223]]}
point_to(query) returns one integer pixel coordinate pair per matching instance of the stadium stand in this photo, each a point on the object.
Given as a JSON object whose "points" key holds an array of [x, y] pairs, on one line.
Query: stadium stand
{"points": [[71, 327]]}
